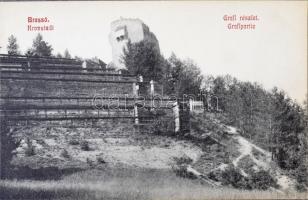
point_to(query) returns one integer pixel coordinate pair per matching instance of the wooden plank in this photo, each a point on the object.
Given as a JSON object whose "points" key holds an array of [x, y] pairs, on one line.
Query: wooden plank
{"points": [[66, 80], [81, 98], [5, 57], [27, 118], [66, 73]]}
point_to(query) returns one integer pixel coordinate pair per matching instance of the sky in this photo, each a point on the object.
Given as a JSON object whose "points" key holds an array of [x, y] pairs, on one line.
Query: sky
{"points": [[272, 54]]}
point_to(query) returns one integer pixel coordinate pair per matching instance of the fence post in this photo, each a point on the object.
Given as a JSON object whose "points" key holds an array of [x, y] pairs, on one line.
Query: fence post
{"points": [[136, 114], [152, 87], [140, 78], [135, 89], [191, 105], [176, 113], [84, 66]]}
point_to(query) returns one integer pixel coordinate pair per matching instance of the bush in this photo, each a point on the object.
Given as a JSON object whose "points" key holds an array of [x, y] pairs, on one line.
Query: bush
{"points": [[100, 160], [90, 162], [180, 167], [8, 144], [262, 180], [183, 160], [301, 187], [84, 145], [301, 176], [181, 171], [73, 142], [232, 176], [65, 154], [29, 151]]}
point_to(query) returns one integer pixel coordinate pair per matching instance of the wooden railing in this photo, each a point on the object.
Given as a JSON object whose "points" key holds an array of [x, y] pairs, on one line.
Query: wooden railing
{"points": [[5, 58]]}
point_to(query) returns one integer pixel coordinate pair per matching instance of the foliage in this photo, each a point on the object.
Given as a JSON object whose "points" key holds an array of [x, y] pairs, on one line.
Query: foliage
{"points": [[65, 154], [78, 58], [203, 123], [269, 118], [40, 47], [90, 162], [95, 63], [84, 145], [100, 160], [182, 77], [143, 58], [181, 171], [160, 126], [178, 77], [261, 180], [288, 127], [30, 150], [232, 176], [180, 167], [59, 55], [74, 142], [13, 47], [8, 145], [67, 54], [184, 160]]}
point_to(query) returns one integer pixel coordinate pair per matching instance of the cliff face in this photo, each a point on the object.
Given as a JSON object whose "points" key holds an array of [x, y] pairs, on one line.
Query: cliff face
{"points": [[124, 30]]}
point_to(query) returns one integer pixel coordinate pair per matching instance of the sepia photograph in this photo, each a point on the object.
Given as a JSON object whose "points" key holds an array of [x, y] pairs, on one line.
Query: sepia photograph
{"points": [[153, 100]]}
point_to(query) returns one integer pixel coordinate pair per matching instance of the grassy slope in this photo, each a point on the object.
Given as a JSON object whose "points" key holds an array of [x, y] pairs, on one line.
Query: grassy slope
{"points": [[126, 183], [112, 181]]}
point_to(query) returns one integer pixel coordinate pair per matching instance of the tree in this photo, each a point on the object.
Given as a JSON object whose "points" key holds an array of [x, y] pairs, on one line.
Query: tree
{"points": [[185, 77], [29, 52], [8, 144], [59, 55], [67, 54], [143, 58], [289, 125], [40, 47], [95, 63], [78, 58], [13, 47]]}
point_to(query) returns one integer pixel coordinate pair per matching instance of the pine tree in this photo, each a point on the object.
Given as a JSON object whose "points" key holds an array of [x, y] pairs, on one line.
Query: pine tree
{"points": [[40, 47], [13, 47], [185, 77], [288, 127], [59, 55], [67, 54], [143, 58]]}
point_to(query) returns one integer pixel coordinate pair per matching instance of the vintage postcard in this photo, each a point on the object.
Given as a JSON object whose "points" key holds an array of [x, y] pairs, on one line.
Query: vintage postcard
{"points": [[153, 100]]}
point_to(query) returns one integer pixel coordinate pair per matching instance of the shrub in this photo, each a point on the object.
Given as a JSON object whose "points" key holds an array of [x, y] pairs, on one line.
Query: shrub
{"points": [[84, 145], [90, 162], [73, 142], [247, 164], [8, 144], [301, 187], [180, 167], [64, 153], [232, 176], [181, 171], [183, 160], [100, 160], [29, 151], [262, 180], [301, 174]]}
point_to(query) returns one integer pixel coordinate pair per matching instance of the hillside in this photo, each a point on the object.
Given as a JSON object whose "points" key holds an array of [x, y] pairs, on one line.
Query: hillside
{"points": [[205, 158], [72, 144]]}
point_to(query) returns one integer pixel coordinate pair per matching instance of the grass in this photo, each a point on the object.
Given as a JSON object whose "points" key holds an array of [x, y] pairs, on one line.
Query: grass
{"points": [[127, 183]]}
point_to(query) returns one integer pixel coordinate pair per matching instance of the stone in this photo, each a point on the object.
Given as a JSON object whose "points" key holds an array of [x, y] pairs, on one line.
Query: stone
{"points": [[123, 31]]}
